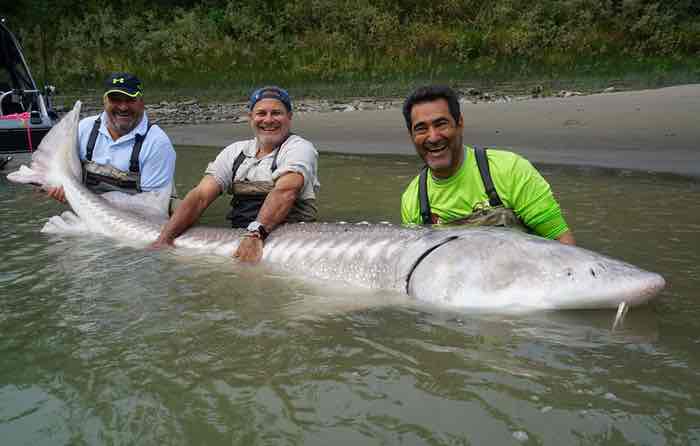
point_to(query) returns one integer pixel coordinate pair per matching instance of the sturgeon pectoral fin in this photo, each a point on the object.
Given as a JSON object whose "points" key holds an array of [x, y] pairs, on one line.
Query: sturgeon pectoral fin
{"points": [[66, 223]]}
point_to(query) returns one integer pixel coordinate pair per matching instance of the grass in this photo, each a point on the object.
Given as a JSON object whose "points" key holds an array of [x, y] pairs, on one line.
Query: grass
{"points": [[510, 77]]}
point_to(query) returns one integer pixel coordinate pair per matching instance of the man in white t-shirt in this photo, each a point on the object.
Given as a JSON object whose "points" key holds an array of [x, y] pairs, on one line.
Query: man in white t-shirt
{"points": [[273, 178]]}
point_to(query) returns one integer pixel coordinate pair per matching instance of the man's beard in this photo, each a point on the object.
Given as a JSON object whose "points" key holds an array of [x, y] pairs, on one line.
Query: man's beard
{"points": [[123, 127], [274, 140]]}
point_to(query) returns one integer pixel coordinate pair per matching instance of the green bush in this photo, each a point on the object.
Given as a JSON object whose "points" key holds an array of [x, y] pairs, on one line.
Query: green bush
{"points": [[218, 42]]}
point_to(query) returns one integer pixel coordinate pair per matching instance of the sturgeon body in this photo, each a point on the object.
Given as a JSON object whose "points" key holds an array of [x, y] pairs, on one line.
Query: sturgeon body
{"points": [[480, 268]]}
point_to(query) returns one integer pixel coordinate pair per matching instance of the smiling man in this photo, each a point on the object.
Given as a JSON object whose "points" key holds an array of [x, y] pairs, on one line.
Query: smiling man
{"points": [[119, 149], [465, 185], [273, 178]]}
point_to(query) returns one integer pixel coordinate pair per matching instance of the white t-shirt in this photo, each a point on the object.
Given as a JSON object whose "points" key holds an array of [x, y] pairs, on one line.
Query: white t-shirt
{"points": [[295, 155]]}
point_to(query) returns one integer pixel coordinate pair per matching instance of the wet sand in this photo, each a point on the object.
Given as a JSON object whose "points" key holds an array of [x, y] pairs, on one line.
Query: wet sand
{"points": [[652, 130]]}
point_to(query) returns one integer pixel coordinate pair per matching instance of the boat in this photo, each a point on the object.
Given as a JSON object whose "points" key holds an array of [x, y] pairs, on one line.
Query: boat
{"points": [[26, 113]]}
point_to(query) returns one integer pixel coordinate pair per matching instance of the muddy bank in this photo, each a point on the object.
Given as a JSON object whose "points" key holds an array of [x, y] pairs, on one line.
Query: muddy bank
{"points": [[654, 130]]}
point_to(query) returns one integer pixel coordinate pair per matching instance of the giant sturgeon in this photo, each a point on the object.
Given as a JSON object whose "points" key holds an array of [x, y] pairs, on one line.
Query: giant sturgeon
{"points": [[479, 268]]}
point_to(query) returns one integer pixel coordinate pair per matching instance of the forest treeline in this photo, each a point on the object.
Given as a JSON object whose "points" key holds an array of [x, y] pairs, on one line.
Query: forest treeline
{"points": [[293, 41]]}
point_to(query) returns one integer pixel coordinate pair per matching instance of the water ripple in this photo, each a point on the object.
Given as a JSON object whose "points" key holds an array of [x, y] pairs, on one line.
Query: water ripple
{"points": [[108, 344]]}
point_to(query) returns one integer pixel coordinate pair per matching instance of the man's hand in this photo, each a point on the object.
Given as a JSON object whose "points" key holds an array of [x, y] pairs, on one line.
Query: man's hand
{"points": [[162, 242], [56, 193], [567, 238], [273, 212], [250, 249]]}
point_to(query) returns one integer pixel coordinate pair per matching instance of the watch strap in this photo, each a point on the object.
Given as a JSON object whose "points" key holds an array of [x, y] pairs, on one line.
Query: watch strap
{"points": [[259, 232]]}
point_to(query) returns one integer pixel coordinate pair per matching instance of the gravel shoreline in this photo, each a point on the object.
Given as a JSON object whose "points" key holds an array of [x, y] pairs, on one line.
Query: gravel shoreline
{"points": [[192, 111]]}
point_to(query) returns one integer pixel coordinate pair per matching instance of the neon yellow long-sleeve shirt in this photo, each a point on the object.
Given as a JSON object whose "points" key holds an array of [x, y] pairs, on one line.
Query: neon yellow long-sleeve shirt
{"points": [[519, 185]]}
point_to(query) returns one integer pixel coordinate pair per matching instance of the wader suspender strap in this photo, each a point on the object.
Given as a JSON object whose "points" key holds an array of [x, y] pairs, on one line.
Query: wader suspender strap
{"points": [[93, 139], [483, 163], [423, 197], [273, 167], [91, 146], [241, 157], [135, 152], [236, 164]]}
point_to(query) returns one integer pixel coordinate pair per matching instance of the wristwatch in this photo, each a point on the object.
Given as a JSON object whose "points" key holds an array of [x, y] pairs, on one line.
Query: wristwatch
{"points": [[256, 229]]}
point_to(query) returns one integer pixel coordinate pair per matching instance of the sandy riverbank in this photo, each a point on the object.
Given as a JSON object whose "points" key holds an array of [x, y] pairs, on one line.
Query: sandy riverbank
{"points": [[655, 130]]}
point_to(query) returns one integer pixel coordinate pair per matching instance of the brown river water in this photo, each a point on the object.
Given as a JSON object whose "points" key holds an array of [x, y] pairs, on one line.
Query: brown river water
{"points": [[102, 343]]}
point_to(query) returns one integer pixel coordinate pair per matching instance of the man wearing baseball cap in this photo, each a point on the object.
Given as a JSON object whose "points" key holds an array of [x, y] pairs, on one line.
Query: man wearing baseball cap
{"points": [[273, 178], [119, 149]]}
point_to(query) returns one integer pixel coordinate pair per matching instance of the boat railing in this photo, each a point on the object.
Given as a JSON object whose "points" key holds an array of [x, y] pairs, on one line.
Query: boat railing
{"points": [[14, 101]]}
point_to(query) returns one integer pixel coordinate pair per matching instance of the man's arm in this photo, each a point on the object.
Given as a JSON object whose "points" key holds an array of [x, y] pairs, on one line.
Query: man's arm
{"points": [[273, 212], [534, 202], [191, 208]]}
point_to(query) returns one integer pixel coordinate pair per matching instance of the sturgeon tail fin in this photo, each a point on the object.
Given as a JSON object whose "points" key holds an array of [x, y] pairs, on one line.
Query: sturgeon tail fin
{"points": [[56, 156]]}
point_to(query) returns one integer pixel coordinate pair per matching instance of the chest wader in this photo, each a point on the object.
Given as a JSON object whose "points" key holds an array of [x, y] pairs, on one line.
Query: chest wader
{"points": [[249, 196], [494, 215], [101, 178]]}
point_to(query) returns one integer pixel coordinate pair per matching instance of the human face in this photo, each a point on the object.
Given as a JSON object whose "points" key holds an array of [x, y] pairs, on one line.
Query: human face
{"points": [[270, 122], [437, 137], [124, 113]]}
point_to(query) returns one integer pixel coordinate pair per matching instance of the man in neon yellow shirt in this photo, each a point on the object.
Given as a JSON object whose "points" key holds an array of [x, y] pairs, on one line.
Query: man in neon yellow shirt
{"points": [[460, 183]]}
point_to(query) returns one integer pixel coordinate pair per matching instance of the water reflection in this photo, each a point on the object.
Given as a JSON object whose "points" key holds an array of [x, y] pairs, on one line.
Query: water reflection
{"points": [[103, 343]]}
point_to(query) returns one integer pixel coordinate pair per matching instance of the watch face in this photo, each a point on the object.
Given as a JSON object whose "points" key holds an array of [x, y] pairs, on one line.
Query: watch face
{"points": [[254, 226]]}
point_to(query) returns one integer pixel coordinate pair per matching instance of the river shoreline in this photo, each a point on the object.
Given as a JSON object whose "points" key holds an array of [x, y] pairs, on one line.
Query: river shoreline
{"points": [[648, 130]]}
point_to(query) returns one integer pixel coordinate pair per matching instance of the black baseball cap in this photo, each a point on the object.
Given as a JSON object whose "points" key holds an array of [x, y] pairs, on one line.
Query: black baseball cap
{"points": [[124, 83]]}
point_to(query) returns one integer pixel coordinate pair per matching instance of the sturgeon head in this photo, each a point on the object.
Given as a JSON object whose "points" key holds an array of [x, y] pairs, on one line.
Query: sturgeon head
{"points": [[498, 269]]}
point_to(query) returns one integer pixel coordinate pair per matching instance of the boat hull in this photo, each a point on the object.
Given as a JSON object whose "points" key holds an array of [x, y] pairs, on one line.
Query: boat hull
{"points": [[18, 140]]}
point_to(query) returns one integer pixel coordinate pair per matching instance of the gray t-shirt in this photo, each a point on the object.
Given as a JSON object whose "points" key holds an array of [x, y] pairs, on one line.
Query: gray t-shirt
{"points": [[295, 155]]}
